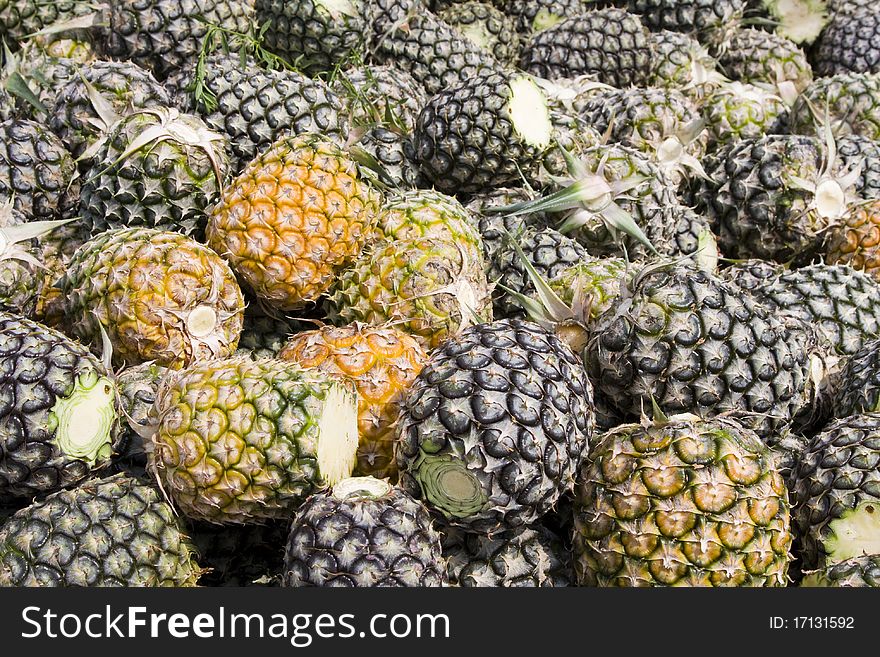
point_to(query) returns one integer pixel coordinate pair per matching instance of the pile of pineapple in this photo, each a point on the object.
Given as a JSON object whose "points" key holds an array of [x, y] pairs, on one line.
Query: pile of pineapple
{"points": [[440, 293]]}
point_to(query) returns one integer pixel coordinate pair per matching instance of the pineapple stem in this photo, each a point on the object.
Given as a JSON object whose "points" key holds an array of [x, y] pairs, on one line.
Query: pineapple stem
{"points": [[449, 486], [83, 421]]}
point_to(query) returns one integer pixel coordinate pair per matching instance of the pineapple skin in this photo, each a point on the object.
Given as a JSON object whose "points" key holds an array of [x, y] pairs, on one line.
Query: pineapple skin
{"points": [[149, 289], [636, 525], [262, 459], [382, 363], [382, 538], [111, 529], [294, 218]]}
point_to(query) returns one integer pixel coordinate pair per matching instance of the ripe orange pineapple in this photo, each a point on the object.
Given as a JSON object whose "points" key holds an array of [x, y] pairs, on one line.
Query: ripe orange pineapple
{"points": [[293, 218], [857, 241], [382, 363]]}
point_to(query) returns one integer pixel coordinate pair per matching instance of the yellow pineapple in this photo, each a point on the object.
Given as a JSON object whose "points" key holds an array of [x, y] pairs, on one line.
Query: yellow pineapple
{"points": [[856, 242], [382, 362], [294, 217], [158, 296]]}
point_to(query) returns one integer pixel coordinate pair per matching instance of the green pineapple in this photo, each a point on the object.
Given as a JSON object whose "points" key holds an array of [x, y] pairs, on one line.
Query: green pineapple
{"points": [[849, 43], [610, 44], [363, 532], [683, 63], [166, 36], [255, 106], [663, 123], [157, 169], [862, 571], [115, 531], [514, 130], [314, 34], [847, 103], [836, 511], [774, 197], [858, 385], [503, 459], [527, 557], [432, 51], [80, 119], [488, 27], [691, 343], [767, 59], [844, 304], [734, 111], [36, 171], [61, 425]]}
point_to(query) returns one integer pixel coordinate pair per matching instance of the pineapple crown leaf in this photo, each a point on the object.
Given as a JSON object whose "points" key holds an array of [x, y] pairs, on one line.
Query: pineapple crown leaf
{"points": [[382, 178], [85, 22], [171, 128], [220, 38], [15, 83], [552, 306]]}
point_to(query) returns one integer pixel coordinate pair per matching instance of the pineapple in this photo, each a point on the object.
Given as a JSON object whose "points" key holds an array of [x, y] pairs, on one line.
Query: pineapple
{"points": [[382, 363], [531, 556], [614, 200], [137, 387], [429, 288], [36, 171], [432, 51], [702, 17], [550, 253], [488, 27], [60, 424], [362, 533], [313, 34], [610, 44], [836, 493], [115, 531], [735, 111], [861, 571], [22, 18], [858, 385], [158, 296], [508, 129], [799, 20], [766, 59], [683, 63], [504, 457], [663, 123], [844, 304], [691, 343], [428, 214], [380, 95], [157, 169], [847, 104], [536, 15], [850, 42], [83, 110], [289, 433], [165, 36], [681, 501], [775, 197], [256, 107], [293, 219], [21, 269], [857, 241]]}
